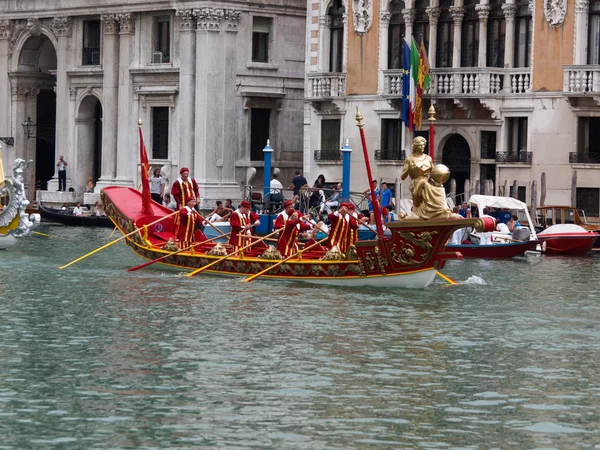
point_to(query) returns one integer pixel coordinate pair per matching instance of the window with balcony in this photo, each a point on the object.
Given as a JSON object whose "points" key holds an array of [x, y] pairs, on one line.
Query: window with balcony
{"points": [[445, 33], [588, 141], [330, 140], [488, 145], [261, 31], [421, 23], [588, 199], [470, 36], [260, 127], [523, 33], [160, 132], [496, 34], [391, 141], [336, 37], [593, 56], [91, 43], [396, 35], [161, 39], [517, 139]]}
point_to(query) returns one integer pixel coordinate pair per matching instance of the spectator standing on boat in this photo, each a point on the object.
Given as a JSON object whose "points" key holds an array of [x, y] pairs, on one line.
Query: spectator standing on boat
{"points": [[298, 182], [464, 210], [157, 186], [184, 188], [384, 196], [98, 210], [89, 188], [287, 244], [188, 218], [78, 210], [240, 226], [62, 173], [275, 194], [341, 224]]}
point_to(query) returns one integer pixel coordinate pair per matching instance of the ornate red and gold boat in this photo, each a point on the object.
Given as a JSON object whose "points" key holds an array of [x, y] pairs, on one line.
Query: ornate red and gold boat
{"points": [[409, 258]]}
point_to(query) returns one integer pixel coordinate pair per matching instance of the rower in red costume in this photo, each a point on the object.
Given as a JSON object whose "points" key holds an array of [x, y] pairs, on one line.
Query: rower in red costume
{"points": [[241, 225], [188, 218], [283, 217], [288, 239], [360, 219], [341, 223], [184, 188]]}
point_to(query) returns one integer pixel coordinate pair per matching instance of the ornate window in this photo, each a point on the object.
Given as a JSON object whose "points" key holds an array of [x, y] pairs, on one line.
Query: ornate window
{"points": [[336, 43], [523, 34], [396, 35], [444, 35], [470, 36], [593, 56], [261, 30], [421, 24], [391, 140], [161, 39], [496, 34], [91, 43]]}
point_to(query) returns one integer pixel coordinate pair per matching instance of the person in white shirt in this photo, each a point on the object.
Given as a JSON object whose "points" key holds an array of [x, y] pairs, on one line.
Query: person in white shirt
{"points": [[157, 186], [78, 210], [275, 194]]}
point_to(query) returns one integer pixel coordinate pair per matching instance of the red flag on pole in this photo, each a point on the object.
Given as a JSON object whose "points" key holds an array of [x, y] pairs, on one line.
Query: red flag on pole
{"points": [[145, 168]]}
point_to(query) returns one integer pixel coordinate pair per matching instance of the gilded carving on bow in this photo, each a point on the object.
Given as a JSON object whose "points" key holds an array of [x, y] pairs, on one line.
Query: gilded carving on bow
{"points": [[370, 261], [406, 253], [298, 269], [351, 253], [380, 260], [255, 267], [334, 270], [356, 268]]}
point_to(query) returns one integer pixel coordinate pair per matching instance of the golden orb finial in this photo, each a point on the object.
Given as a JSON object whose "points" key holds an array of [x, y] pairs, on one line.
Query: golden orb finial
{"points": [[140, 123], [359, 118], [431, 113]]}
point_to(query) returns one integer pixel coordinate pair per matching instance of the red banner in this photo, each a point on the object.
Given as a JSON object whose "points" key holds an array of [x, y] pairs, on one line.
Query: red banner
{"points": [[145, 169]]}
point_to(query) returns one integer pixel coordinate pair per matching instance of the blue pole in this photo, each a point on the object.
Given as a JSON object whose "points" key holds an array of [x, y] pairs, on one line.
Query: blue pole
{"points": [[267, 151], [346, 152]]}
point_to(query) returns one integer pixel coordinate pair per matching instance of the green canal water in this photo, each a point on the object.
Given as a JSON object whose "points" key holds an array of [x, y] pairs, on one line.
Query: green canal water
{"points": [[95, 357]]}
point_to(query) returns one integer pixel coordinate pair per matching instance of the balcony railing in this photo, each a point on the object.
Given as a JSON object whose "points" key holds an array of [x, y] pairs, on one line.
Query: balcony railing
{"points": [[590, 158], [390, 155], [91, 56], [467, 81], [328, 155], [581, 79], [519, 157], [326, 85]]}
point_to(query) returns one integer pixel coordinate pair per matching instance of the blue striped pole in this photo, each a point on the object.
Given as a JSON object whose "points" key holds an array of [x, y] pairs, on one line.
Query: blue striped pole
{"points": [[346, 152], [267, 151]]}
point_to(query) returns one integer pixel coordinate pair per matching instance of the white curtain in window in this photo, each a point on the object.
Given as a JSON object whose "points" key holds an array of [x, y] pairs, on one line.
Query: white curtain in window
{"points": [[594, 36]]}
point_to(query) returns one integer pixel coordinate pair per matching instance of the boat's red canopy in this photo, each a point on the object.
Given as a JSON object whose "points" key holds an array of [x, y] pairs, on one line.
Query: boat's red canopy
{"points": [[129, 202]]}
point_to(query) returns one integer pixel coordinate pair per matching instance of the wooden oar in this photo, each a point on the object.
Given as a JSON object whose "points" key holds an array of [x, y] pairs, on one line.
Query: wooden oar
{"points": [[253, 277], [116, 240], [202, 269], [207, 221], [43, 234], [445, 278], [133, 269], [113, 232]]}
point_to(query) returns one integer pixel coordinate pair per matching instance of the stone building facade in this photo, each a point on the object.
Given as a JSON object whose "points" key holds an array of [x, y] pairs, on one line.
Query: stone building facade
{"points": [[515, 86], [211, 82]]}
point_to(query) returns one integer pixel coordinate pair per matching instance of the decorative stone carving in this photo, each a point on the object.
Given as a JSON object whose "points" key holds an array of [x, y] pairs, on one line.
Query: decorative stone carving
{"points": [[34, 26], [581, 7], [126, 24], [384, 17], [483, 11], [408, 15], [32, 94], [434, 14], [344, 20], [458, 12], [362, 15], [22, 93], [555, 12], [233, 17], [73, 93], [109, 23], [185, 18], [61, 26], [6, 28], [531, 7], [509, 11], [209, 18], [325, 21]]}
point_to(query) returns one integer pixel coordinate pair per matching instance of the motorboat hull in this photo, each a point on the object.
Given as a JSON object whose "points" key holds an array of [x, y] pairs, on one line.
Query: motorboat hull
{"points": [[494, 251], [567, 244]]}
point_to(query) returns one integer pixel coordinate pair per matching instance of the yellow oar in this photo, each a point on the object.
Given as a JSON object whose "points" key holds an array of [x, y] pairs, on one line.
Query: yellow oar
{"points": [[249, 279], [115, 241], [133, 269], [43, 234], [113, 232], [202, 269], [445, 278]]}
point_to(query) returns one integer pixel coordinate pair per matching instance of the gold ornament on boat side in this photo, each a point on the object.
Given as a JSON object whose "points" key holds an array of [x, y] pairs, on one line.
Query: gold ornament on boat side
{"points": [[170, 246], [333, 254], [217, 250], [271, 253], [406, 254], [351, 253]]}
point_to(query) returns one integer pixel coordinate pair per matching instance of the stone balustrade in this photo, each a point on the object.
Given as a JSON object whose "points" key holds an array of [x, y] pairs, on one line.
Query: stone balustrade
{"points": [[326, 85], [581, 79]]}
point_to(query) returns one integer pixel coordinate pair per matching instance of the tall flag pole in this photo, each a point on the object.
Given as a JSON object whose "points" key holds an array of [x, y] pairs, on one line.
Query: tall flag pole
{"points": [[431, 132], [423, 82], [406, 84], [145, 168], [414, 79]]}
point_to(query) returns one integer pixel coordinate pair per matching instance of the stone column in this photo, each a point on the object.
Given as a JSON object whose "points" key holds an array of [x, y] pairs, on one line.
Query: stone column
{"points": [[62, 29], [110, 65], [509, 44], [6, 28], [458, 13], [127, 150], [409, 18], [324, 43], [187, 75], [434, 15], [24, 102], [384, 27], [581, 31], [345, 43], [483, 11]]}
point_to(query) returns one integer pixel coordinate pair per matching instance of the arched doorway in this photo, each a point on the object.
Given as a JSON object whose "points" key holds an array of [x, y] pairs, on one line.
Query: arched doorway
{"points": [[89, 139], [34, 83], [457, 156]]}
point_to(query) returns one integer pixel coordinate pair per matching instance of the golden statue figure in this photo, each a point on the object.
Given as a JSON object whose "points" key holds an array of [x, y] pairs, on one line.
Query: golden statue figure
{"points": [[426, 186]]}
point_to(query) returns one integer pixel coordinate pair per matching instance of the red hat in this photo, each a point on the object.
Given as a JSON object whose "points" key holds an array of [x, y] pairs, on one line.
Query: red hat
{"points": [[246, 204], [344, 204], [351, 206], [183, 169], [290, 210], [287, 204]]}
